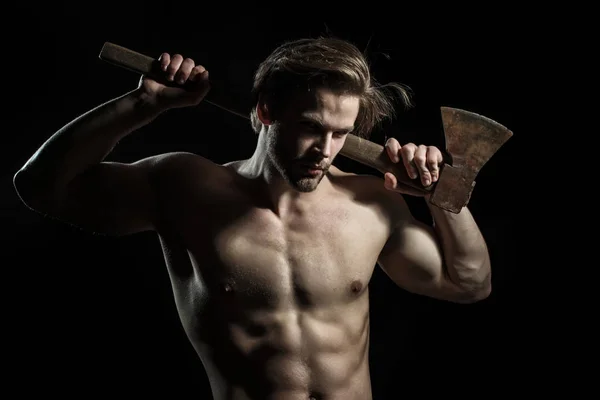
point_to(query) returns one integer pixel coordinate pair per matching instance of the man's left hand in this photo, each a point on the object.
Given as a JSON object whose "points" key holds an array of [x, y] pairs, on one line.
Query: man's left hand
{"points": [[420, 161]]}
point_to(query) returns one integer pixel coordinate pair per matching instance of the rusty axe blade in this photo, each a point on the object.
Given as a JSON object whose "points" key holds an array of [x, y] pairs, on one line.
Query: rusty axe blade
{"points": [[471, 139]]}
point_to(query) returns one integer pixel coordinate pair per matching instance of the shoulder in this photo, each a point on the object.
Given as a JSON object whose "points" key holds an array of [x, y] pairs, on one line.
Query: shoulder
{"points": [[177, 159], [357, 185], [170, 168], [369, 190]]}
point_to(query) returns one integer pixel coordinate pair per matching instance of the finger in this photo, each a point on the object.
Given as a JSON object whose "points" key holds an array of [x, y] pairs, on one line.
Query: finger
{"points": [[390, 181], [199, 79], [434, 159], [420, 161], [198, 73], [392, 146], [165, 59], [173, 66], [408, 153], [184, 71]]}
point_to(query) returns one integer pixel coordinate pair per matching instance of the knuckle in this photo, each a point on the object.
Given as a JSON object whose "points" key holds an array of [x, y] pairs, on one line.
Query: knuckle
{"points": [[175, 62], [420, 158]]}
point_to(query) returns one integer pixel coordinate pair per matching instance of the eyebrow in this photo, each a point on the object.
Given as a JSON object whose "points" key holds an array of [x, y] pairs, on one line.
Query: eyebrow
{"points": [[318, 121]]}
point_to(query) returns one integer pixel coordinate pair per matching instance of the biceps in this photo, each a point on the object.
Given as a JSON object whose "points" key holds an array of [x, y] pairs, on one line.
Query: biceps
{"points": [[111, 198], [413, 259]]}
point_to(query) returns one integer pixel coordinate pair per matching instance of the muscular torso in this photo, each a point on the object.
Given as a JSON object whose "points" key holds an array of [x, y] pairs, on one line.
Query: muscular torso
{"points": [[276, 304]]}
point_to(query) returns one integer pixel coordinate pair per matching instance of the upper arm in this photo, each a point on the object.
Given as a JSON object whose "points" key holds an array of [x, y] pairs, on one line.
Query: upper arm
{"points": [[412, 257], [116, 198], [111, 198]]}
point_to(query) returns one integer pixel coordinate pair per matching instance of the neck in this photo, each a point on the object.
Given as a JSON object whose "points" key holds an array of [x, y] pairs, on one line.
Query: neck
{"points": [[281, 195]]}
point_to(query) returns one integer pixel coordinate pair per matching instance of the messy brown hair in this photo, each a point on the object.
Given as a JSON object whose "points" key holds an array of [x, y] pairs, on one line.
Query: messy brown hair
{"points": [[325, 62]]}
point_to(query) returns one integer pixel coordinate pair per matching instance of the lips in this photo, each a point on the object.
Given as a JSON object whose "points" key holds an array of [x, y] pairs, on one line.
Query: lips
{"points": [[313, 166]]}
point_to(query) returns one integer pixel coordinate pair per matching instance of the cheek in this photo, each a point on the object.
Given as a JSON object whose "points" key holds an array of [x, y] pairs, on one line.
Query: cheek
{"points": [[284, 144], [296, 144], [290, 143], [303, 145]]}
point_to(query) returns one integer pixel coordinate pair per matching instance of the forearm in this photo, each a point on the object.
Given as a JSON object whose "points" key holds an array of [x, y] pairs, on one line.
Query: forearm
{"points": [[464, 249], [86, 141]]}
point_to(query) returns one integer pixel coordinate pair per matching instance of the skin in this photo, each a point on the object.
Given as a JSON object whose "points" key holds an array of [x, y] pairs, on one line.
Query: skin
{"points": [[270, 263]]}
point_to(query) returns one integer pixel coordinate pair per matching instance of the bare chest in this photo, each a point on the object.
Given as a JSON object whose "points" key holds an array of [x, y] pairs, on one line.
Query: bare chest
{"points": [[322, 257]]}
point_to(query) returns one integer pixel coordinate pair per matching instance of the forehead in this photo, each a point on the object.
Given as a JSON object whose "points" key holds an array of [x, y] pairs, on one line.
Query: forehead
{"points": [[325, 105]]}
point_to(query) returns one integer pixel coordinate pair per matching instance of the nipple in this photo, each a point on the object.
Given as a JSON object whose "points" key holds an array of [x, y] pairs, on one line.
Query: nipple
{"points": [[356, 286]]}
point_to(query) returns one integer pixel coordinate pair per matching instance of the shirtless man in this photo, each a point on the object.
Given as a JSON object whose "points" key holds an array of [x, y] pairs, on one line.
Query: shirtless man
{"points": [[270, 257]]}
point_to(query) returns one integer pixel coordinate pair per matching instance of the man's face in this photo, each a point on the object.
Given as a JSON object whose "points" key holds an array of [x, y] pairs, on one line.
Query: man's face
{"points": [[309, 134]]}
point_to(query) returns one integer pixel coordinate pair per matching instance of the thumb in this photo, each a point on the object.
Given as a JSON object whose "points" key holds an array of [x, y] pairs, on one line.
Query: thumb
{"points": [[391, 183]]}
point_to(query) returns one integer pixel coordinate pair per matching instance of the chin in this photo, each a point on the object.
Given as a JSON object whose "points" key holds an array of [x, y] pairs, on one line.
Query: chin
{"points": [[305, 184]]}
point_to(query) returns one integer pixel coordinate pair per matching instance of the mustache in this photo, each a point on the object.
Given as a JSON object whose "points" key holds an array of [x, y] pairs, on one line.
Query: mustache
{"points": [[316, 164]]}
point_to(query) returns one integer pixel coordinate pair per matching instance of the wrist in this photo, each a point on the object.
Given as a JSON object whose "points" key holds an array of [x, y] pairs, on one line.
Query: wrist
{"points": [[147, 103]]}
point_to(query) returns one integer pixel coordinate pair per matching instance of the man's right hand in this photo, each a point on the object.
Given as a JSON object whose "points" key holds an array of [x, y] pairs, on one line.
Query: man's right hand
{"points": [[187, 83]]}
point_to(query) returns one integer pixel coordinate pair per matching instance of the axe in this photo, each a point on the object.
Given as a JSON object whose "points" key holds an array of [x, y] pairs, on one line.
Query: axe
{"points": [[471, 140]]}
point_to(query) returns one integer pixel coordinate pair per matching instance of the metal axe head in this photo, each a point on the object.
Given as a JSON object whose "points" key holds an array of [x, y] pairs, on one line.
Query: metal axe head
{"points": [[471, 140]]}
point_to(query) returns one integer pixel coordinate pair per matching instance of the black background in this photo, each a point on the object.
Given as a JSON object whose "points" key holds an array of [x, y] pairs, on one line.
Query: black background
{"points": [[90, 314]]}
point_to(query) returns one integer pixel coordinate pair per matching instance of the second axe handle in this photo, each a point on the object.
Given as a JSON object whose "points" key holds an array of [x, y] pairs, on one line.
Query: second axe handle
{"points": [[361, 150]]}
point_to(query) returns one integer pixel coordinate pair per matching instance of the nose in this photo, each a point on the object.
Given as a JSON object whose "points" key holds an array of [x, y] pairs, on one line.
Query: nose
{"points": [[324, 144]]}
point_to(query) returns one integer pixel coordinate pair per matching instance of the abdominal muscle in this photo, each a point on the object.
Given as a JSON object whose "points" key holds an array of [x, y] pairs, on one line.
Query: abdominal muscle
{"points": [[290, 354]]}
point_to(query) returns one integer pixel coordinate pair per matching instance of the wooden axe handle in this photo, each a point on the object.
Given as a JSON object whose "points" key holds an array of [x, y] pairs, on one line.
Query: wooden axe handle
{"points": [[361, 150], [375, 156]]}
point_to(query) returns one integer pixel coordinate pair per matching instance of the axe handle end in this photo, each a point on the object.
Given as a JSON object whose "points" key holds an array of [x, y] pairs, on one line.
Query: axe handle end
{"points": [[128, 59]]}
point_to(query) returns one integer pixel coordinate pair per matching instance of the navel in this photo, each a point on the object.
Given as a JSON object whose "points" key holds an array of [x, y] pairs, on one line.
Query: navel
{"points": [[356, 286]]}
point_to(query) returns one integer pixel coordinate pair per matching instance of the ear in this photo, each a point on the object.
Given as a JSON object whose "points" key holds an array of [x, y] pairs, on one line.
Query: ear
{"points": [[262, 111]]}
